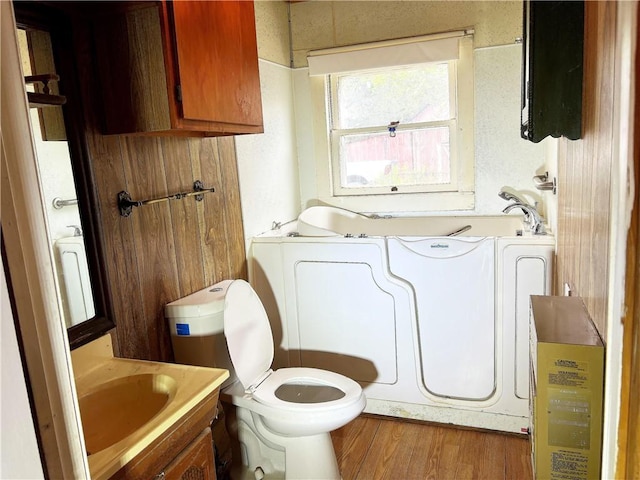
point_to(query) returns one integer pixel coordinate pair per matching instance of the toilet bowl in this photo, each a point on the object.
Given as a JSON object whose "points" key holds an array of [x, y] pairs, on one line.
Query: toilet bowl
{"points": [[283, 417]]}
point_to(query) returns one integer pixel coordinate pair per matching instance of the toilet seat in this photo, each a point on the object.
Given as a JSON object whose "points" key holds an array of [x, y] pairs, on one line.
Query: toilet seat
{"points": [[265, 393], [250, 344]]}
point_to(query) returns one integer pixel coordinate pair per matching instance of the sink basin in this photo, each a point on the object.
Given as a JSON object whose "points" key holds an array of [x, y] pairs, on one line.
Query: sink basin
{"points": [[114, 410]]}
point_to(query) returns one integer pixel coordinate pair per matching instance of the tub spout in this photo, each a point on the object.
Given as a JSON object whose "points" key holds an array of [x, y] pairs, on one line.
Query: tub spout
{"points": [[531, 216]]}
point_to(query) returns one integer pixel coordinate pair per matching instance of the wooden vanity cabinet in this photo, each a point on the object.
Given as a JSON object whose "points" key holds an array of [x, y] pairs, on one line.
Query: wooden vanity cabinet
{"points": [[183, 452], [184, 67], [196, 462]]}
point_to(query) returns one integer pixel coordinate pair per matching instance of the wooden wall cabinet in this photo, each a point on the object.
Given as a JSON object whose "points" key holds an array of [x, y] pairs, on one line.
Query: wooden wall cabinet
{"points": [[183, 452], [184, 67]]}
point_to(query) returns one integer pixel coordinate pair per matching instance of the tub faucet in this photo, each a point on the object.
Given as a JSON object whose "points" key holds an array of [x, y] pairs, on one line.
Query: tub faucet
{"points": [[531, 216], [512, 197]]}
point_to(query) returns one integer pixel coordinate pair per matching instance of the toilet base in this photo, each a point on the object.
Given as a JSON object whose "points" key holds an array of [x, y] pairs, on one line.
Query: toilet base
{"points": [[291, 458]]}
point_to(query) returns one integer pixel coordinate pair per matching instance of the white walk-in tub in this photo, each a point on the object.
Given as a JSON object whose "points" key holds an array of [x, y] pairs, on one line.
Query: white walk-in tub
{"points": [[77, 296], [434, 327]]}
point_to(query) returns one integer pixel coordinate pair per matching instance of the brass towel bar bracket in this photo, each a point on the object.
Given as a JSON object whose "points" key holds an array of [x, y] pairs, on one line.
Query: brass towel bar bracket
{"points": [[125, 204]]}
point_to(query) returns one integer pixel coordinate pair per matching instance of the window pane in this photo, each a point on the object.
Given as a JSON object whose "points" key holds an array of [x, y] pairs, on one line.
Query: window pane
{"points": [[408, 95], [412, 157]]}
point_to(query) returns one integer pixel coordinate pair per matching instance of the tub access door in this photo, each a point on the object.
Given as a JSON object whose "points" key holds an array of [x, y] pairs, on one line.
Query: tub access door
{"points": [[453, 281]]}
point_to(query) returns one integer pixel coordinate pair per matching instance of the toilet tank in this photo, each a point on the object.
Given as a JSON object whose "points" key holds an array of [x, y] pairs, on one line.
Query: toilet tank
{"points": [[196, 324]]}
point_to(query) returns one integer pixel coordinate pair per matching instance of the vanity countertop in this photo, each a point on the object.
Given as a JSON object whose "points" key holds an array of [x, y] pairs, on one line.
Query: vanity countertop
{"points": [[95, 366]]}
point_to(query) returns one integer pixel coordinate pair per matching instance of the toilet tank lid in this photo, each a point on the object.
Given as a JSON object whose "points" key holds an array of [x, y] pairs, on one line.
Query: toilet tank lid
{"points": [[208, 301]]}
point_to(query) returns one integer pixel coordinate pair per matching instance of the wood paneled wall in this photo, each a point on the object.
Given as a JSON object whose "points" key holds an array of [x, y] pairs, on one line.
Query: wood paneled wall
{"points": [[167, 250], [584, 172]]}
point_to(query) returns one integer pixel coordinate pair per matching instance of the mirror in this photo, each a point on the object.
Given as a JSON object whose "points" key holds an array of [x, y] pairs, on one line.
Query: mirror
{"points": [[46, 50], [59, 195]]}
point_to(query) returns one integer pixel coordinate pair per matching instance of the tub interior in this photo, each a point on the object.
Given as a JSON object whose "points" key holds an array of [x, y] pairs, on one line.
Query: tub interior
{"points": [[327, 221]]}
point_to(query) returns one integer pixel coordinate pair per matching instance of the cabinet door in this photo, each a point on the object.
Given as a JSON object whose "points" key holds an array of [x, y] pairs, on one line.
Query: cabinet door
{"points": [[195, 462], [217, 62], [189, 67]]}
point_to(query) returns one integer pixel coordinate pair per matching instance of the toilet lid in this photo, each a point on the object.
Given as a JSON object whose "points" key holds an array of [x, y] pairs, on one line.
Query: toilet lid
{"points": [[248, 333]]}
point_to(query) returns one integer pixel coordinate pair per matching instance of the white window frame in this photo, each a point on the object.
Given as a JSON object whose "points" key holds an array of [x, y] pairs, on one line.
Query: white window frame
{"points": [[335, 134], [459, 195]]}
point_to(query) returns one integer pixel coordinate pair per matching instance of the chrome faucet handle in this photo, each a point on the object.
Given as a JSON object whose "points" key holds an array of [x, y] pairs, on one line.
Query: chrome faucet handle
{"points": [[539, 229], [537, 224]]}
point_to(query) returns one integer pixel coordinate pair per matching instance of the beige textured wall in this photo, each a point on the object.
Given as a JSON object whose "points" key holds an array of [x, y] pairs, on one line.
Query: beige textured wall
{"points": [[272, 31], [324, 24]]}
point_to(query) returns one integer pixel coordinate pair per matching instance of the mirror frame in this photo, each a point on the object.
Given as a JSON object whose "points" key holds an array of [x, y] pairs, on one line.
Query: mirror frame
{"points": [[59, 24]]}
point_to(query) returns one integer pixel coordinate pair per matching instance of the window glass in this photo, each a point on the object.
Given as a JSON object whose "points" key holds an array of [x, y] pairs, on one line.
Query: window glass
{"points": [[392, 129], [407, 95], [412, 157]]}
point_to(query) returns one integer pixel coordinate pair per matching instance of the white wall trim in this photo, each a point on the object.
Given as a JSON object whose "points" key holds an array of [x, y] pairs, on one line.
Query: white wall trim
{"points": [[621, 206], [29, 263]]}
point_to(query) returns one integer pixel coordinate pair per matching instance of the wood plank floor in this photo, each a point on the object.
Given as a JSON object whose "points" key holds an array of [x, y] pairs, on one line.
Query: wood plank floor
{"points": [[372, 448]]}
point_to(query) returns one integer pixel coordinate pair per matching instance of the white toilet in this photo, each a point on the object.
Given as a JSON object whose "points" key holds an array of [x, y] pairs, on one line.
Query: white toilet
{"points": [[283, 417]]}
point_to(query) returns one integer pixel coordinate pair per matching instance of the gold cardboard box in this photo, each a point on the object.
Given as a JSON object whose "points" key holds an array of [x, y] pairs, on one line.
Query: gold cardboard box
{"points": [[567, 361]]}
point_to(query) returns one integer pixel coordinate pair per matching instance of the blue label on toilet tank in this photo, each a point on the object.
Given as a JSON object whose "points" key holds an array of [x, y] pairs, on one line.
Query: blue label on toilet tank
{"points": [[182, 328]]}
